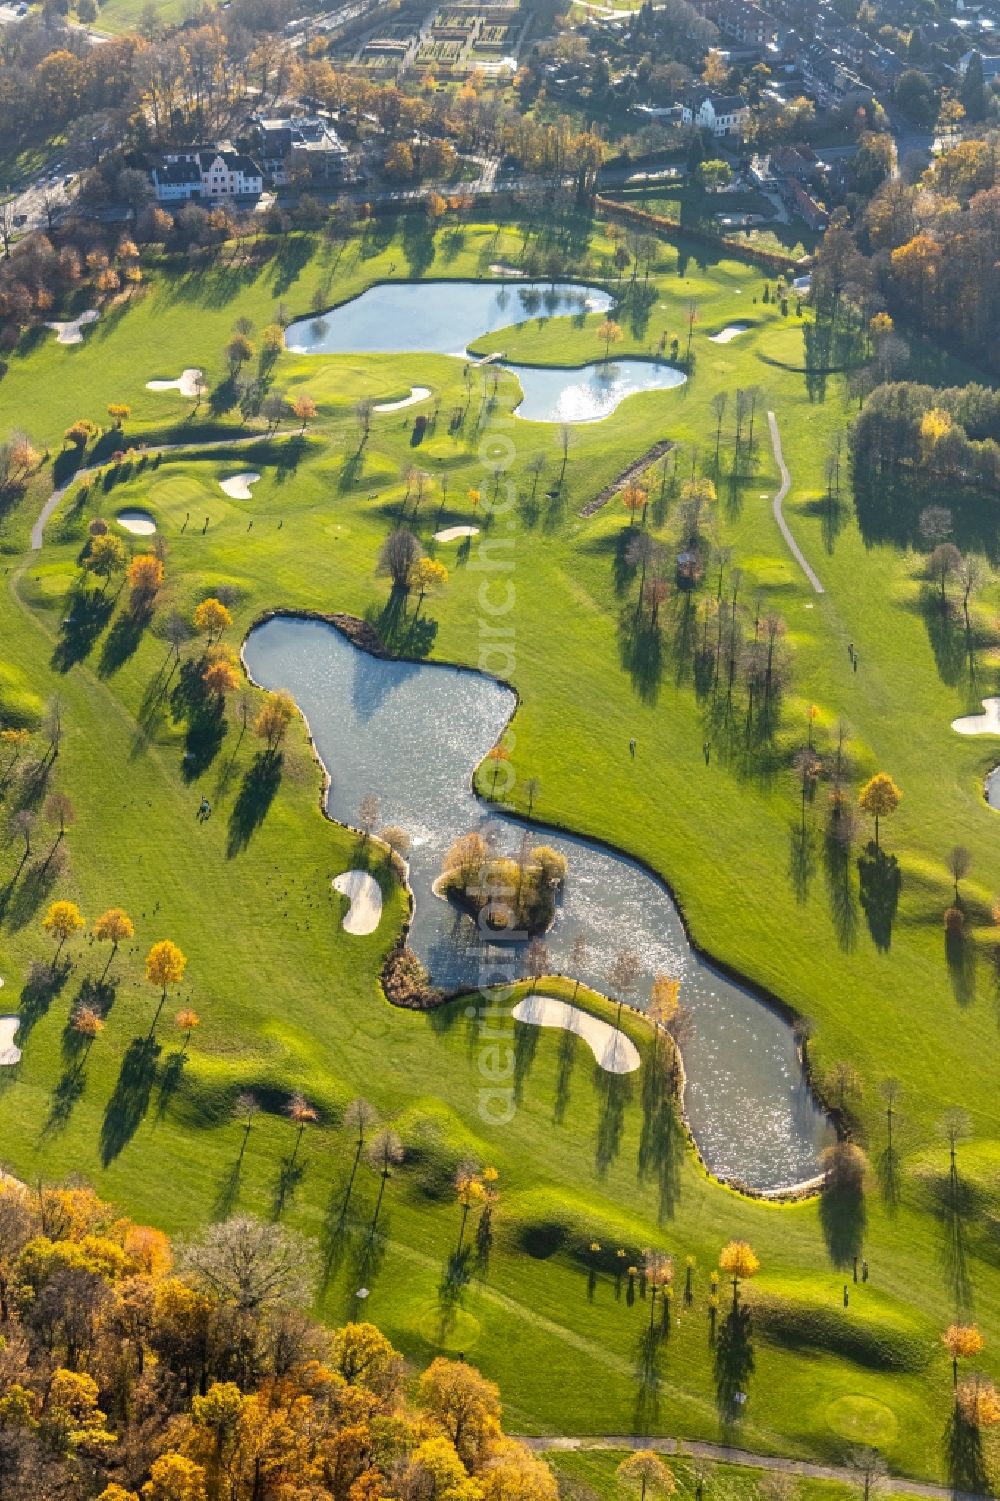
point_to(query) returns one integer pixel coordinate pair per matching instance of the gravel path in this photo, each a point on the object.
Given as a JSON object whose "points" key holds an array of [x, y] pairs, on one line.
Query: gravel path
{"points": [[786, 480]]}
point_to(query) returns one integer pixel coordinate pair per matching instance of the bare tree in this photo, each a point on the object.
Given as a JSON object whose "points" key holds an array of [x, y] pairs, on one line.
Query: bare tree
{"points": [[252, 1266], [368, 814], [959, 864], [397, 555], [363, 415], [935, 525]]}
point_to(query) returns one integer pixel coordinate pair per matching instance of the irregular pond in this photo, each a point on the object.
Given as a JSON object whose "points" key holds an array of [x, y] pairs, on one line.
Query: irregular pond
{"points": [[446, 317], [411, 734]]}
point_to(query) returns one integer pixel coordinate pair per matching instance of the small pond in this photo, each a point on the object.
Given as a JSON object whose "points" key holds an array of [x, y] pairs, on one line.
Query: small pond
{"points": [[446, 317], [412, 734]]}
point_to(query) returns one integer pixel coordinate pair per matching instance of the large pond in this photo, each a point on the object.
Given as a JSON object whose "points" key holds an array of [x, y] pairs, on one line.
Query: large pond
{"points": [[412, 734], [446, 317]]}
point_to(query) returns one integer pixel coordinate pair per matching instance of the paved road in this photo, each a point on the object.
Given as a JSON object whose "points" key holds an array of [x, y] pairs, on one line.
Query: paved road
{"points": [[786, 480], [725, 1453]]}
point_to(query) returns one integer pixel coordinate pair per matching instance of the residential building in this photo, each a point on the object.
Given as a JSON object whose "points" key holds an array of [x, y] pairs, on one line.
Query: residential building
{"points": [[306, 143], [742, 20], [722, 114], [205, 173]]}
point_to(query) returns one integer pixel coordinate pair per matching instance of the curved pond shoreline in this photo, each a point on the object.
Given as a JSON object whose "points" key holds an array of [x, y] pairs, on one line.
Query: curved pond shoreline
{"points": [[799, 1104], [466, 313]]}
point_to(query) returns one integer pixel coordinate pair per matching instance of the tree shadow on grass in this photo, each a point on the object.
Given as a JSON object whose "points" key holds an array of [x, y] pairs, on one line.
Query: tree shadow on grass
{"points": [[888, 1175], [65, 1096], [129, 1102], [203, 715], [88, 613], [640, 649], [880, 879], [122, 641], [801, 857], [566, 1057], [526, 1038], [646, 1412], [661, 1147], [966, 1463], [228, 1192], [257, 792], [840, 891], [614, 1092], [960, 956], [946, 636], [953, 1205], [734, 1364], [169, 1081], [22, 901], [843, 1216], [38, 993], [290, 1175]]}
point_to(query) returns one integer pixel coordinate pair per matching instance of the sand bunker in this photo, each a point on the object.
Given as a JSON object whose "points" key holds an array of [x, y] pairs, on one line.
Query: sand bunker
{"points": [[72, 332], [9, 1053], [237, 486], [140, 523], [615, 1052], [980, 724], [366, 901], [188, 383], [452, 533], [499, 269], [729, 333], [417, 393]]}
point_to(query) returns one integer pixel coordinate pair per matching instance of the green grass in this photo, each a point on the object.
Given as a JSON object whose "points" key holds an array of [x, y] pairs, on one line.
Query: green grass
{"points": [[289, 1001]]}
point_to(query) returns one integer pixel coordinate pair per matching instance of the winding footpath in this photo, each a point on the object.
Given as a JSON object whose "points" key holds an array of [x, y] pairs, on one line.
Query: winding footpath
{"points": [[802, 1469], [786, 480], [80, 475]]}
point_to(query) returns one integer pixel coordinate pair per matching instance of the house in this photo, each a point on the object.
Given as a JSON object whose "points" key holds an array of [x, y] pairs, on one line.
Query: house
{"points": [[300, 142], [798, 162], [806, 206], [742, 20], [991, 66], [830, 80], [204, 173], [722, 114]]}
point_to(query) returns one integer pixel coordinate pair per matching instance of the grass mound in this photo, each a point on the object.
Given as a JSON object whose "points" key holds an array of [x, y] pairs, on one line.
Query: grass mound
{"points": [[871, 1331], [542, 1225]]}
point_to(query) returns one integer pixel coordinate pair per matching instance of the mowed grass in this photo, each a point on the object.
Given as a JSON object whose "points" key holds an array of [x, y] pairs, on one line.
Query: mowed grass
{"points": [[289, 1001]]}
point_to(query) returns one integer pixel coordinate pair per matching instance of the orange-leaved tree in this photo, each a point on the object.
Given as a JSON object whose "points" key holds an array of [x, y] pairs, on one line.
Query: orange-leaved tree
{"points": [[963, 1342]]}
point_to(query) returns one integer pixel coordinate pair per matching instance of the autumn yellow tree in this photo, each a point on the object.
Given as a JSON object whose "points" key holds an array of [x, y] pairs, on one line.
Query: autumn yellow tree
{"points": [[963, 1342], [301, 1114], [739, 1261], [119, 412], [165, 966], [470, 1191], [427, 576], [645, 1472], [61, 921], [879, 798], [105, 556], [274, 718], [663, 1001], [463, 1403], [609, 332], [174, 1477], [145, 579], [113, 926], [978, 1402], [211, 618]]}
